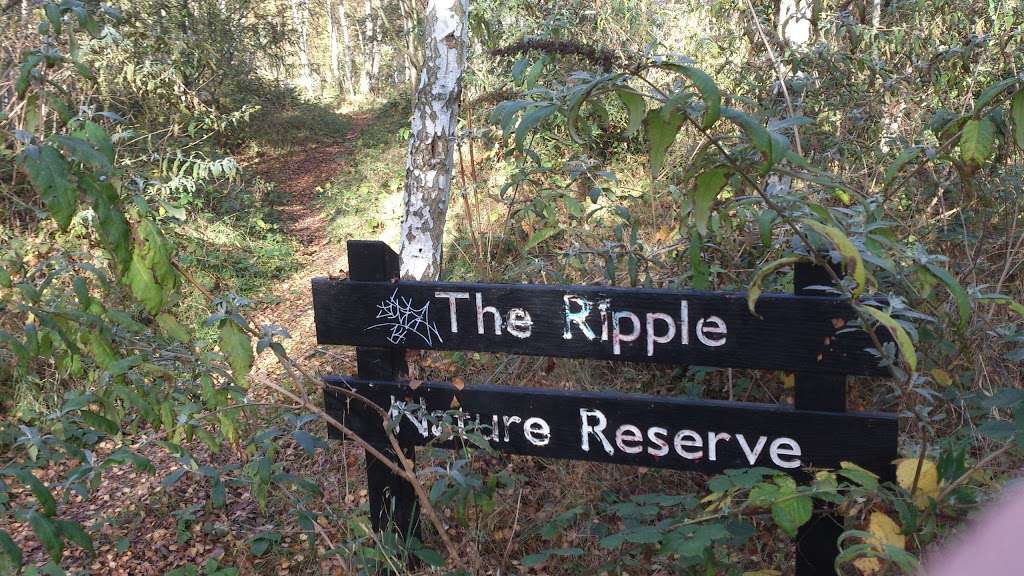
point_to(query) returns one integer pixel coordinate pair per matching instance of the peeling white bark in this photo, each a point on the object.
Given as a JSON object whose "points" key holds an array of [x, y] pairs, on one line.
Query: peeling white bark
{"points": [[428, 172]]}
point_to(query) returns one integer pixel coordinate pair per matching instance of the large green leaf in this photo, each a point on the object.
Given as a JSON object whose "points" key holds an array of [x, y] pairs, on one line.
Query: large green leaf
{"points": [[963, 304], [1017, 116], [754, 292], [47, 533], [151, 275], [10, 554], [74, 532], [772, 149], [540, 236], [708, 184], [792, 512], [531, 119], [111, 224], [39, 490], [661, 130], [636, 106], [976, 141], [237, 347], [709, 91], [50, 175]]}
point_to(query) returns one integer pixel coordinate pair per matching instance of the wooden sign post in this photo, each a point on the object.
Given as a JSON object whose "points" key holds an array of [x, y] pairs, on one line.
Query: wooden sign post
{"points": [[801, 333]]}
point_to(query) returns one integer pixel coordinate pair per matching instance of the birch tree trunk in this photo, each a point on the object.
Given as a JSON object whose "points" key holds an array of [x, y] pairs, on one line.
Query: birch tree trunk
{"points": [[794, 27], [428, 172], [346, 46], [300, 11], [369, 67], [332, 35]]}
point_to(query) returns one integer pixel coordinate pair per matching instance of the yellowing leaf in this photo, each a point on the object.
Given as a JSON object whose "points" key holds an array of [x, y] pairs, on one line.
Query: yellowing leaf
{"points": [[237, 348], [1017, 115], [754, 292], [868, 566], [849, 252], [927, 481], [788, 380], [906, 345], [885, 530], [976, 141], [661, 132], [941, 376]]}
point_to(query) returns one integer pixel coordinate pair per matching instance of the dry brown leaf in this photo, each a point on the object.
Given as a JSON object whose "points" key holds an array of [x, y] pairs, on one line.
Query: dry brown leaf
{"points": [[459, 383], [414, 384]]}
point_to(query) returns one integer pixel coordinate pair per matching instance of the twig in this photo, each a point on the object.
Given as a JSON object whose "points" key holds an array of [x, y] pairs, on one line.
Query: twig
{"points": [[978, 466]]}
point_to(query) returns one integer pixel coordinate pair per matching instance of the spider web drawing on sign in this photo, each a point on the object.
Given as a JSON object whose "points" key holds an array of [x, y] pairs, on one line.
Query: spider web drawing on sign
{"points": [[405, 318]]}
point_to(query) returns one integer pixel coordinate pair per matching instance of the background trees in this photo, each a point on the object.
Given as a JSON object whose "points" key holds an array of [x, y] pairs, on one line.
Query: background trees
{"points": [[166, 165]]}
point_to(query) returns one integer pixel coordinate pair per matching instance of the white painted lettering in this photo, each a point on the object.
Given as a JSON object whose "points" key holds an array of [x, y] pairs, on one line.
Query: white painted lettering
{"points": [[537, 431], [688, 439], [451, 296], [751, 454], [617, 336], [586, 429], [656, 434], [684, 322], [519, 323], [578, 316], [653, 337], [713, 438], [784, 447], [629, 433], [481, 310], [711, 325], [509, 420], [602, 307]]}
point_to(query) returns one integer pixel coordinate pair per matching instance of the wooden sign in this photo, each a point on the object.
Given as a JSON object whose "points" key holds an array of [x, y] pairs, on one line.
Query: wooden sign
{"points": [[808, 334], [634, 429], [793, 333]]}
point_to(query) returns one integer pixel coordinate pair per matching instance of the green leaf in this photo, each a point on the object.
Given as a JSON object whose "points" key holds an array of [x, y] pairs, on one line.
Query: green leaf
{"points": [[431, 557], [906, 345], [95, 135], [976, 141], [170, 325], [847, 250], [151, 275], [101, 423], [50, 175], [39, 490], [308, 442], [792, 512], [25, 73], [237, 347], [905, 156], [772, 149], [754, 292], [85, 152], [540, 236], [963, 304], [661, 132], [143, 285], [708, 92], [74, 532], [47, 533], [1017, 117], [52, 11], [5, 278], [991, 92], [531, 119], [10, 554], [708, 185], [636, 106]]}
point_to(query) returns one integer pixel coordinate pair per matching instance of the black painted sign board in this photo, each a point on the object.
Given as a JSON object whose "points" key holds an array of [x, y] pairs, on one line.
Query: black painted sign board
{"points": [[807, 334], [633, 429], [793, 333]]}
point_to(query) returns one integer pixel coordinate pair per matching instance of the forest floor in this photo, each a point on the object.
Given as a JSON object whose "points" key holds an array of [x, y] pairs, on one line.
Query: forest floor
{"points": [[148, 525]]}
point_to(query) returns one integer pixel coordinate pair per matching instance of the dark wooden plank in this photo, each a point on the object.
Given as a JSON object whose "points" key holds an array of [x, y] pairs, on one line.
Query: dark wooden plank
{"points": [[392, 500], [823, 439], [794, 333]]}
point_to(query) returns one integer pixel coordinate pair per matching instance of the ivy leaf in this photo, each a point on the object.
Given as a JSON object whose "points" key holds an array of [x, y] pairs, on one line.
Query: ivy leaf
{"points": [[754, 292], [661, 132], [850, 254], [635, 105], [47, 533], [237, 347], [792, 512], [708, 185], [1017, 116], [906, 345], [50, 175], [976, 141]]}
